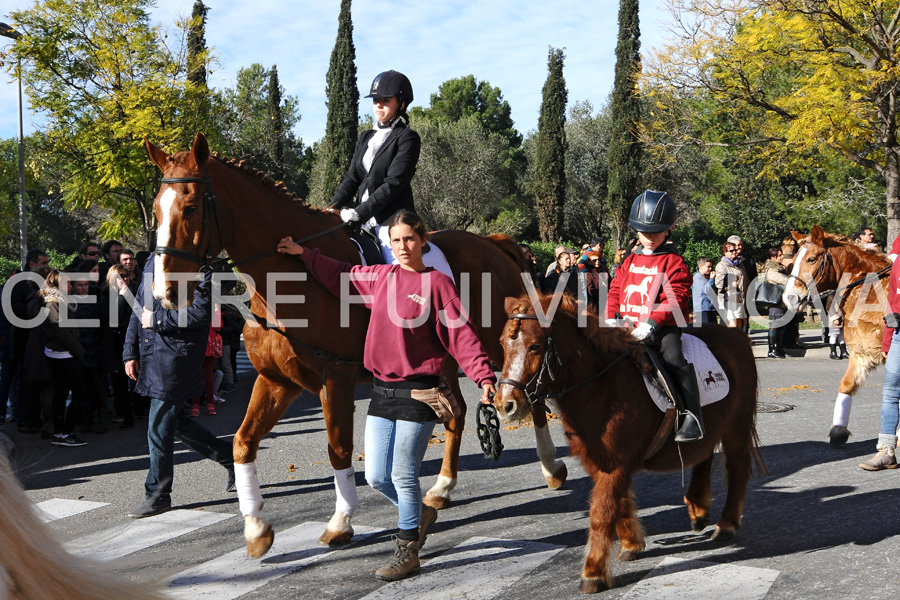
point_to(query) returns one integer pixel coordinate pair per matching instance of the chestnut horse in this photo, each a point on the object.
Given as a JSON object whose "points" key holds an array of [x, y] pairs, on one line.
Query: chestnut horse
{"points": [[595, 375], [207, 204], [825, 262]]}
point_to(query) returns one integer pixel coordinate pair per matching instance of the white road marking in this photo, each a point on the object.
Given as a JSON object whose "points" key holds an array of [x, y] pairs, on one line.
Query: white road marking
{"points": [[60, 508], [234, 574], [675, 579], [142, 533], [478, 569]]}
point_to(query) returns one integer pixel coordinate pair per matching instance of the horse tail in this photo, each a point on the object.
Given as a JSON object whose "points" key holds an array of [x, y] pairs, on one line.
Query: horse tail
{"points": [[510, 248], [35, 566]]}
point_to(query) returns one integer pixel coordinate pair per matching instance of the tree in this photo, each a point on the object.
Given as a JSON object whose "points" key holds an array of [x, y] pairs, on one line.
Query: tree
{"points": [[588, 140], [336, 148], [104, 79], [467, 97], [549, 186], [459, 182], [197, 52], [797, 82], [276, 122], [257, 119], [625, 173]]}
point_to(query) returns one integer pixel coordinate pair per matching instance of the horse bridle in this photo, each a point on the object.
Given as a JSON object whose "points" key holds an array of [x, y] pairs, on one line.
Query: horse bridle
{"points": [[818, 275], [550, 362], [209, 206]]}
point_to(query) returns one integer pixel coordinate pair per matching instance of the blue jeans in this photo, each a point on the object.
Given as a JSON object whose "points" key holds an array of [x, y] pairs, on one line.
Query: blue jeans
{"points": [[394, 453], [167, 421], [890, 392]]}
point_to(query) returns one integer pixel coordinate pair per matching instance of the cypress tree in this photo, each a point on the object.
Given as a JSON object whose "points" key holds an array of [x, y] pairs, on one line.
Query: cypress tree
{"points": [[276, 123], [342, 95], [550, 152], [196, 43], [625, 149]]}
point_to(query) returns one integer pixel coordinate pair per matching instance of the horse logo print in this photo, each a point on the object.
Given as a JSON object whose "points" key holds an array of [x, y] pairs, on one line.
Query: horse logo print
{"points": [[642, 289]]}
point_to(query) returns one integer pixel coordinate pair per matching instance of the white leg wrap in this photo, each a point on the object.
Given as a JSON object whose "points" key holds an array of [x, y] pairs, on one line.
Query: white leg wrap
{"points": [[842, 410], [247, 484], [345, 489], [339, 522]]}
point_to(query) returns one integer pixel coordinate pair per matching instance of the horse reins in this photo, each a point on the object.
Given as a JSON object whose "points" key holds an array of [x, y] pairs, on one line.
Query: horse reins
{"points": [[819, 274], [207, 264], [551, 356]]}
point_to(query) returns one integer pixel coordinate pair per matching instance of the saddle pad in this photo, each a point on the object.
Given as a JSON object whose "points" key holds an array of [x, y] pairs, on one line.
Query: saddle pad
{"points": [[711, 379]]}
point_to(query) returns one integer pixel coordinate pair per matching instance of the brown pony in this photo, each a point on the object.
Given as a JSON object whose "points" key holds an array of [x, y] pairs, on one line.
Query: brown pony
{"points": [[613, 426], [825, 262], [206, 204]]}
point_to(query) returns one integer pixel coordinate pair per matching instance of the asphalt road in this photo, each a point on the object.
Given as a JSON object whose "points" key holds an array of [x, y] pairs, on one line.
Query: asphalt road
{"points": [[815, 526]]}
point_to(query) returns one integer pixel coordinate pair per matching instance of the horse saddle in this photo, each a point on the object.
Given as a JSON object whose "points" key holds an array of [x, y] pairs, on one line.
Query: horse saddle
{"points": [[368, 246], [711, 379]]}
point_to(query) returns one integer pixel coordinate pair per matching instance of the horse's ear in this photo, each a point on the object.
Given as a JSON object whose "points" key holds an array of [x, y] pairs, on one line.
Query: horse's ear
{"points": [[798, 237], [200, 151], [510, 304], [157, 155], [817, 236]]}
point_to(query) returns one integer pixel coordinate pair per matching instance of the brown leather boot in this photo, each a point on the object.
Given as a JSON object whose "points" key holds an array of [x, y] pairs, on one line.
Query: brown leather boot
{"points": [[404, 563]]}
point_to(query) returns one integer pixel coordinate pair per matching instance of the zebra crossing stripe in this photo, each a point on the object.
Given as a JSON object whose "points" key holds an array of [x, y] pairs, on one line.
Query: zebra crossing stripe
{"points": [[478, 569], [234, 574], [59, 508], [141, 534], [676, 578]]}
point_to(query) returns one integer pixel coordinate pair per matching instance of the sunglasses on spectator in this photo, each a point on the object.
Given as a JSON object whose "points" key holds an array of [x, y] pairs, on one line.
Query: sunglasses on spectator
{"points": [[92, 253]]}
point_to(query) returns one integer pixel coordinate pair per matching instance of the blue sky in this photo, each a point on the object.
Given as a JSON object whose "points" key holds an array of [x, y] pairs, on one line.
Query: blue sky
{"points": [[504, 42]]}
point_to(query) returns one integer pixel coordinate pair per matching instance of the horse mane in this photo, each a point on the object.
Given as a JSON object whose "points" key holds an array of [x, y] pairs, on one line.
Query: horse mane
{"points": [[858, 259], [606, 340], [35, 566]]}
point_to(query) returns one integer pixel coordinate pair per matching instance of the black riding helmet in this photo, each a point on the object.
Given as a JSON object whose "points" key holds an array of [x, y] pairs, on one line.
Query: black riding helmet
{"points": [[652, 212], [392, 83]]}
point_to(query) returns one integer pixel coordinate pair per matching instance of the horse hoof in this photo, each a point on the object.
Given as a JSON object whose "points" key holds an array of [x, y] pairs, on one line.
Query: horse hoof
{"points": [[627, 555], [700, 523], [592, 586], [436, 502], [722, 535], [335, 538], [556, 479], [258, 547], [838, 436]]}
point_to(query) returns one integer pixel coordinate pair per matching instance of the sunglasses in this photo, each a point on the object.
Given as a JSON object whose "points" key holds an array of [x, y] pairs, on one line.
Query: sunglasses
{"points": [[92, 253]]}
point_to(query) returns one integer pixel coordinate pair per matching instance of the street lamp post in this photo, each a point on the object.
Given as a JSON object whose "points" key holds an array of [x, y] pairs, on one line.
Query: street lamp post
{"points": [[7, 31]]}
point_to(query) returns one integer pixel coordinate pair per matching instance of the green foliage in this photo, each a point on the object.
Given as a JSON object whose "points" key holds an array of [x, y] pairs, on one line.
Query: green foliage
{"points": [[545, 252], [549, 184], [197, 52], [460, 181], [697, 241], [336, 148], [587, 135], [625, 149], [104, 78], [256, 120]]}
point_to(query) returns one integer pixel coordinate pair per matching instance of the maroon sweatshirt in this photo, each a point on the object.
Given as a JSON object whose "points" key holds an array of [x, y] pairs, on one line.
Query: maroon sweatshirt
{"points": [[415, 319]]}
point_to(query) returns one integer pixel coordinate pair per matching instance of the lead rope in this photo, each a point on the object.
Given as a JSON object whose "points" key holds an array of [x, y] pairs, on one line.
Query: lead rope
{"points": [[488, 429]]}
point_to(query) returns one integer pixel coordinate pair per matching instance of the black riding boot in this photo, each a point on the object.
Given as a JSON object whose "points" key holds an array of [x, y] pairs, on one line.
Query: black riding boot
{"points": [[779, 343], [834, 354], [689, 414], [775, 351], [844, 353]]}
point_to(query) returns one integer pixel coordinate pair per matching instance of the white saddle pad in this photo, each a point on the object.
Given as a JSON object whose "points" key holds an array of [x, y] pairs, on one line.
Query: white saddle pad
{"points": [[711, 379]]}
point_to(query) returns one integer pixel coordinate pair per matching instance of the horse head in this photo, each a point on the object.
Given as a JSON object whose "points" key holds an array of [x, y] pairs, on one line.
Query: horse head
{"points": [[189, 233], [811, 268], [530, 359]]}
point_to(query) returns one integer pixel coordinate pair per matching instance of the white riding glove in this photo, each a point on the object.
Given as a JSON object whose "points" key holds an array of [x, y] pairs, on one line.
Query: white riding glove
{"points": [[349, 215], [642, 331], [612, 323]]}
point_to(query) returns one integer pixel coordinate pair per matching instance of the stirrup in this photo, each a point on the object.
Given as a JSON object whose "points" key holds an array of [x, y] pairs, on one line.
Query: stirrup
{"points": [[690, 430]]}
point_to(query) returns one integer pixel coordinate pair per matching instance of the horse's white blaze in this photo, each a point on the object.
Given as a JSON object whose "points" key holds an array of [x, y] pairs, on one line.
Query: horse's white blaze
{"points": [[514, 372], [163, 235], [792, 289]]}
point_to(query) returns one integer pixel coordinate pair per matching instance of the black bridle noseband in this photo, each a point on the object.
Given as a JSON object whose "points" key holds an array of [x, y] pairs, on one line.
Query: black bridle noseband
{"points": [[549, 365]]}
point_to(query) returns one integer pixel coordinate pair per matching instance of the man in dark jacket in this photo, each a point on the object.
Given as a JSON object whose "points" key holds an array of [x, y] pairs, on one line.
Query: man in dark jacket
{"points": [[166, 360]]}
